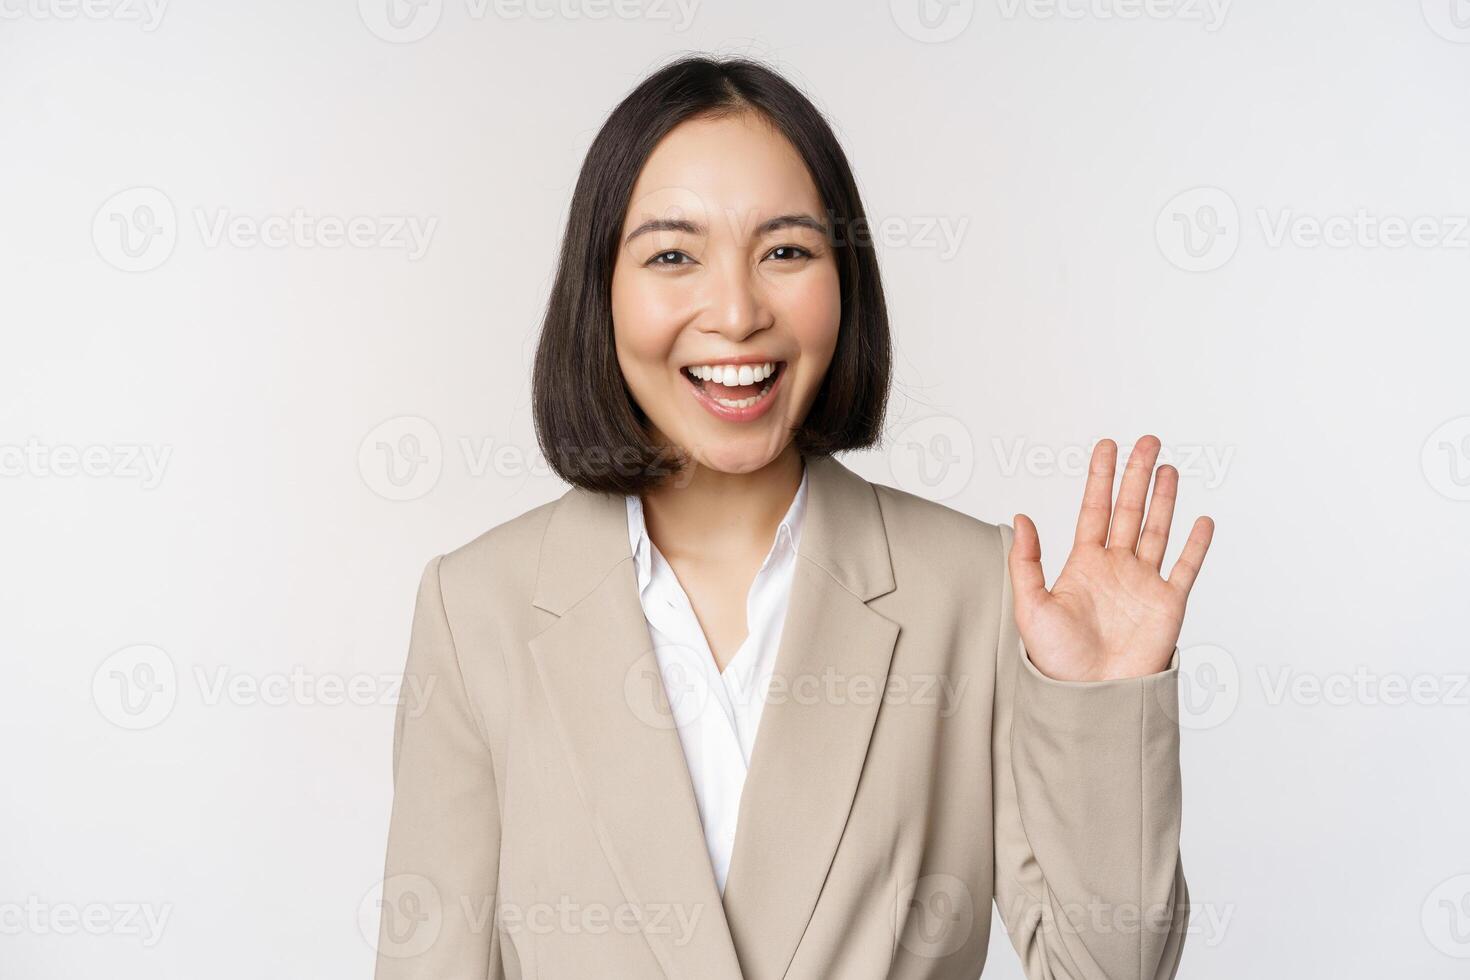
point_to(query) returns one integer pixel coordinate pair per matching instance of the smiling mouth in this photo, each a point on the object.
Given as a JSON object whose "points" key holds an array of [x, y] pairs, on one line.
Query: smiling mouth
{"points": [[722, 382]]}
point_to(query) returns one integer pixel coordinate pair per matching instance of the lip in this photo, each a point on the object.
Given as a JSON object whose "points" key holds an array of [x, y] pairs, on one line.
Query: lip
{"points": [[750, 413]]}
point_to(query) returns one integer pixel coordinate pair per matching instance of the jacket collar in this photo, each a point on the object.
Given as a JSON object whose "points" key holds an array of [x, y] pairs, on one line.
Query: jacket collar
{"points": [[587, 537], [600, 676]]}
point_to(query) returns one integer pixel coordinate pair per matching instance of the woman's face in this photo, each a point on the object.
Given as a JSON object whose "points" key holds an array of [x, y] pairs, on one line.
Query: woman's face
{"points": [[724, 268]]}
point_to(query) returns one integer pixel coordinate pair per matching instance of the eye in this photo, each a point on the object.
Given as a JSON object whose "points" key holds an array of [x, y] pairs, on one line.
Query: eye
{"points": [[673, 257], [792, 253]]}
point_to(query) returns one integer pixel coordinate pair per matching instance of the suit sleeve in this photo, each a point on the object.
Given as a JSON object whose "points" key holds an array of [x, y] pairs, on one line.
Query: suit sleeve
{"points": [[1087, 797], [439, 883]]}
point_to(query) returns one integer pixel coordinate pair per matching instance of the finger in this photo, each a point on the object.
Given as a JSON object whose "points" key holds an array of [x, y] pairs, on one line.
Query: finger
{"points": [[1027, 579], [1097, 496], [1160, 513], [1128, 510], [1186, 569]]}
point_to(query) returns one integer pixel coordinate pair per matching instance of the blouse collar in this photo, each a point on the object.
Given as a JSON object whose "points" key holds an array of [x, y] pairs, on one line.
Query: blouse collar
{"points": [[788, 532]]}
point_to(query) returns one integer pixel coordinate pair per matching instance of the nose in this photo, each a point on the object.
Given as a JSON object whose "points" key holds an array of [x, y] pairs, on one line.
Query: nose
{"points": [[736, 306]]}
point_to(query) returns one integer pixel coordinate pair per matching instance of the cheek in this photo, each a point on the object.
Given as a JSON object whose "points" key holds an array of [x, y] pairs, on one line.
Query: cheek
{"points": [[645, 323], [812, 307]]}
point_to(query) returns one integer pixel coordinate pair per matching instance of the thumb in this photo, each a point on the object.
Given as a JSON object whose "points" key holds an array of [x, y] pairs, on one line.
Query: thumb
{"points": [[1028, 582]]}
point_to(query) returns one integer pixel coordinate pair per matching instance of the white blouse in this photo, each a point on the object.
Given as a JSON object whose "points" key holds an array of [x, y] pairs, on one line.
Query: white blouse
{"points": [[716, 713]]}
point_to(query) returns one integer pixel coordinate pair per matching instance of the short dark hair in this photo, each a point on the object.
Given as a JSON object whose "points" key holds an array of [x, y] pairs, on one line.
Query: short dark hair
{"points": [[591, 430]]}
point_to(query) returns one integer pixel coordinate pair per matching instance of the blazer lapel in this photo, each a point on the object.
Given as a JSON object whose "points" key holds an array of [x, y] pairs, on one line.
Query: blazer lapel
{"points": [[601, 678], [831, 669], [598, 668]]}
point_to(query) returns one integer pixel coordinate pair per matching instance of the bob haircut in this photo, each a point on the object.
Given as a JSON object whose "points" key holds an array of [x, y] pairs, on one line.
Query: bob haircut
{"points": [[593, 433]]}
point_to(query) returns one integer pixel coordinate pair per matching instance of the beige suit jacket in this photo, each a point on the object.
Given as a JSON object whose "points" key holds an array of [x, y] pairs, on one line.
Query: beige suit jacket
{"points": [[911, 767]]}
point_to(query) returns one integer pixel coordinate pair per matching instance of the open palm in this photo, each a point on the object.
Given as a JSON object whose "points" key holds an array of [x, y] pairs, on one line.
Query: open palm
{"points": [[1110, 614]]}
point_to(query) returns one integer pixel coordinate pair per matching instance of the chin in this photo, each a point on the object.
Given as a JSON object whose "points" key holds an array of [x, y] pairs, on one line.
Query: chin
{"points": [[736, 456]]}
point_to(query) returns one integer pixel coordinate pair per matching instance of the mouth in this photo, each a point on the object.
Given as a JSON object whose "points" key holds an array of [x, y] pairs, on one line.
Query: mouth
{"points": [[735, 392]]}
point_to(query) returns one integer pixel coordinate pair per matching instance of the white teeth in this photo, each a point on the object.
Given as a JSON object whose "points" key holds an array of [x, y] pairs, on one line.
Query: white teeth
{"points": [[744, 402], [729, 375], [739, 402]]}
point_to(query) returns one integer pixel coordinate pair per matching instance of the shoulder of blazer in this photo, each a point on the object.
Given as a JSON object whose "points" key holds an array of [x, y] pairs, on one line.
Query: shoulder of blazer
{"points": [[937, 531], [499, 564]]}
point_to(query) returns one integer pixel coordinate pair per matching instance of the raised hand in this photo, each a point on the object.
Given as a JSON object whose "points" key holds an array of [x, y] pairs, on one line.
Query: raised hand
{"points": [[1109, 614]]}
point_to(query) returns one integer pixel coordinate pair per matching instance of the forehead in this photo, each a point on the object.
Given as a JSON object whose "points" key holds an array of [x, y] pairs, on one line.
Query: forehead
{"points": [[734, 165]]}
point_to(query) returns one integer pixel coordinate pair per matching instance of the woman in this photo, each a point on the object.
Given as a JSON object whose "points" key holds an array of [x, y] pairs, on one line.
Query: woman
{"points": [[727, 709]]}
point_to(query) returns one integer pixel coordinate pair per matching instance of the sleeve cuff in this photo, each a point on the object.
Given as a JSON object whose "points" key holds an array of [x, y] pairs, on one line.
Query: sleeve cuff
{"points": [[1094, 708]]}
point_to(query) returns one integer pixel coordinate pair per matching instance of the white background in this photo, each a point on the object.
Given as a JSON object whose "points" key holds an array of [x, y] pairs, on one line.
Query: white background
{"points": [[1099, 223]]}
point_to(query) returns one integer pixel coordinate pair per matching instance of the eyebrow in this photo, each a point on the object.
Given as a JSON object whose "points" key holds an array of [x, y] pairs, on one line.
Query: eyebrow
{"points": [[695, 228]]}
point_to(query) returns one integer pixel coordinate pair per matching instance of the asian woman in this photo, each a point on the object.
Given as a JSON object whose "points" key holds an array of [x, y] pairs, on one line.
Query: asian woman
{"points": [[727, 709]]}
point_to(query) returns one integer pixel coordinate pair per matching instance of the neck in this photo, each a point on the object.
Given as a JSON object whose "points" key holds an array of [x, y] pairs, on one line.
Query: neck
{"points": [[714, 513]]}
